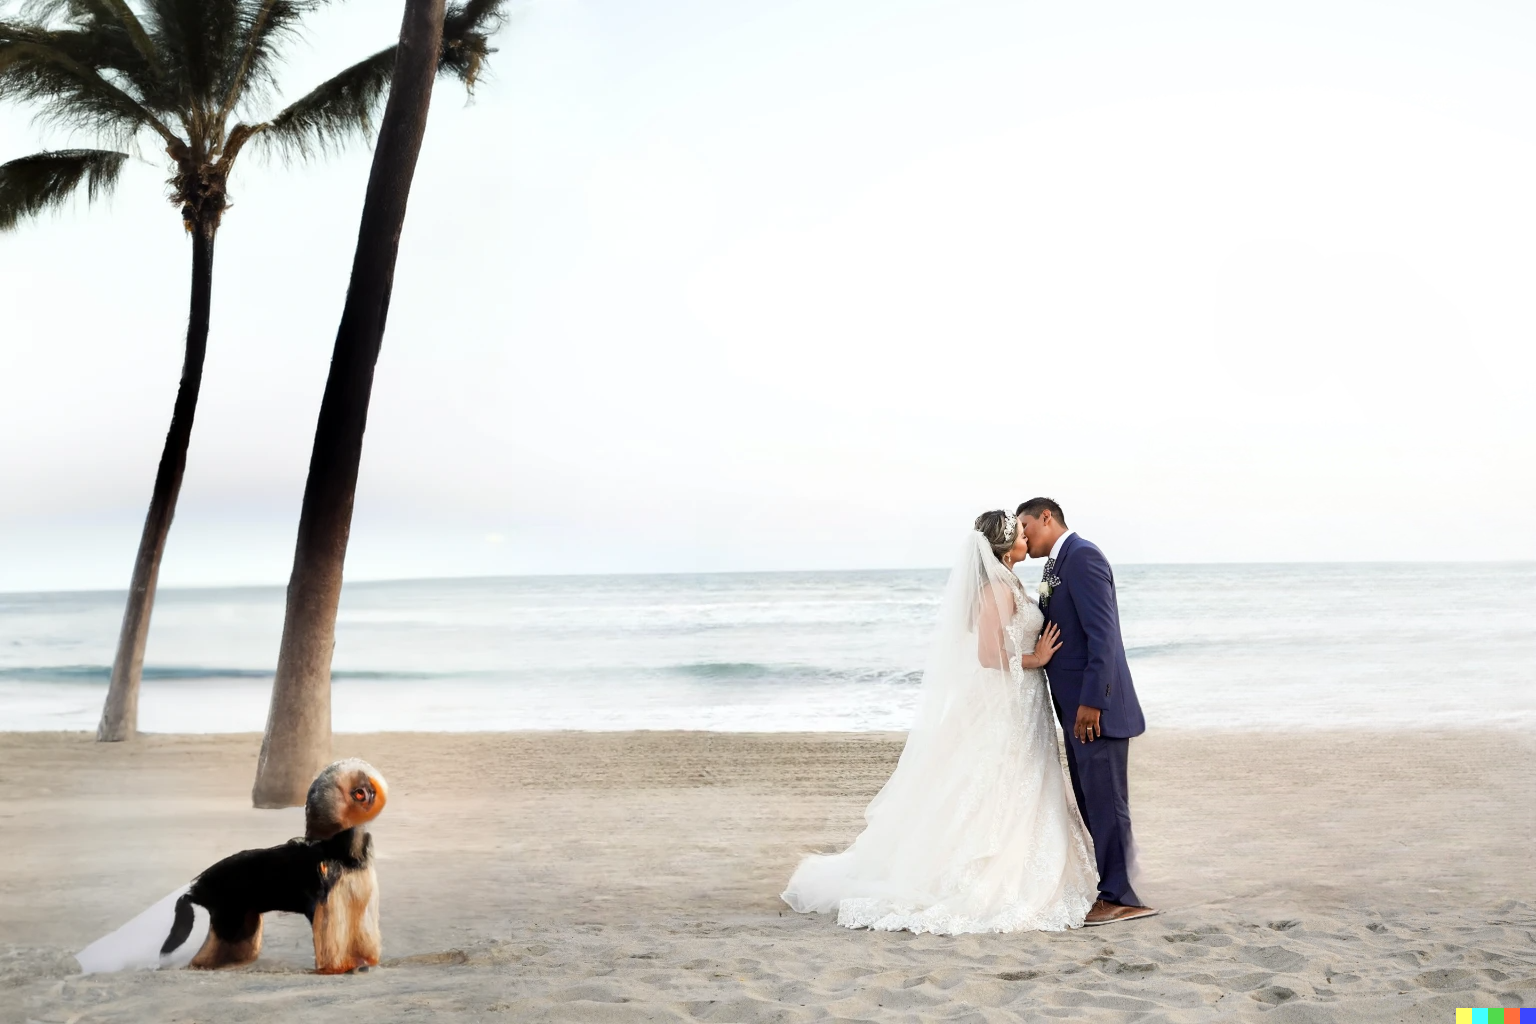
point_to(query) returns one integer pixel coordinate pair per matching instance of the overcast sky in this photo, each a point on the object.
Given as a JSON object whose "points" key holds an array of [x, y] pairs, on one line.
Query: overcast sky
{"points": [[729, 285]]}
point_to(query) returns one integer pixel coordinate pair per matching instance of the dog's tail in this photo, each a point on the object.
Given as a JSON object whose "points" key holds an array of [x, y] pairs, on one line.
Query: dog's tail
{"points": [[181, 926]]}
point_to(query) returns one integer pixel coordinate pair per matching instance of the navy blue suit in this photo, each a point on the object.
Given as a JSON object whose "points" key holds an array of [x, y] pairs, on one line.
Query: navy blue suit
{"points": [[1090, 668]]}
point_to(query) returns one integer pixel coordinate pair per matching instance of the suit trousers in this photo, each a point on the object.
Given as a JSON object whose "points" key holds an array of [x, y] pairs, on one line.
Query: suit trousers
{"points": [[1099, 781]]}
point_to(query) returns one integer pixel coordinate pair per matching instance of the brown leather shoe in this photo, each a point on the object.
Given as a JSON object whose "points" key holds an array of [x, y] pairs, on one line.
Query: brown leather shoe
{"points": [[1105, 912]]}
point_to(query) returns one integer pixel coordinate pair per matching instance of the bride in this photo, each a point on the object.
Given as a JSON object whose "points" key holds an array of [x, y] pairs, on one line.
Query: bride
{"points": [[977, 829]]}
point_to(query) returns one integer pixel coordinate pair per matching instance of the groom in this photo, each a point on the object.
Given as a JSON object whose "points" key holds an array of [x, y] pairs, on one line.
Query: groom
{"points": [[1091, 687]]}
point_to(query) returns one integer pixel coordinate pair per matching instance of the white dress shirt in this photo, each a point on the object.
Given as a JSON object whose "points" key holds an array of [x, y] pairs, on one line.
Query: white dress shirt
{"points": [[1056, 548]]}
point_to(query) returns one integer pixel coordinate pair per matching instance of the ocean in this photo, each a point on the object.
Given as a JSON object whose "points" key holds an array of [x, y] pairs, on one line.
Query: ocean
{"points": [[1220, 647]]}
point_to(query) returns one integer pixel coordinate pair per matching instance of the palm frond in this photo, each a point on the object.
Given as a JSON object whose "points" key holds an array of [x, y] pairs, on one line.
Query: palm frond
{"points": [[467, 29], [133, 27], [95, 38], [100, 15], [32, 184], [200, 42], [264, 24], [344, 108], [62, 73], [334, 112], [90, 45]]}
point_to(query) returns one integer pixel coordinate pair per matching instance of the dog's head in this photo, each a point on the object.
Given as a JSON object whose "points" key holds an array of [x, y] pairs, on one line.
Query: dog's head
{"points": [[346, 794]]}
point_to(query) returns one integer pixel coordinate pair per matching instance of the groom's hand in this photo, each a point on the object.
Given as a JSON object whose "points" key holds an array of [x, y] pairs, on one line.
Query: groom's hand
{"points": [[1086, 728]]}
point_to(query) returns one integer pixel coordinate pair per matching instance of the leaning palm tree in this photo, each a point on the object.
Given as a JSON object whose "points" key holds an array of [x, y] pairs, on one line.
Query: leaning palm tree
{"points": [[297, 742], [188, 77]]}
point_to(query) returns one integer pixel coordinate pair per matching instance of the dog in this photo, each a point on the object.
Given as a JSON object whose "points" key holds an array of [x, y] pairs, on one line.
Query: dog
{"points": [[328, 876]]}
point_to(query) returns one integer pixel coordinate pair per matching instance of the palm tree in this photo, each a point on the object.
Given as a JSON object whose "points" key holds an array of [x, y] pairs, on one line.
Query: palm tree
{"points": [[297, 742], [183, 75]]}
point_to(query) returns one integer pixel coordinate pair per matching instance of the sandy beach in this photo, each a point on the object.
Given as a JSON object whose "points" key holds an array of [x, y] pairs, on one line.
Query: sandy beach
{"points": [[1377, 876]]}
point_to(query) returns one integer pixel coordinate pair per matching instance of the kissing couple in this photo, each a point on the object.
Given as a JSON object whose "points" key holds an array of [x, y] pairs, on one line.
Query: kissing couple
{"points": [[980, 828]]}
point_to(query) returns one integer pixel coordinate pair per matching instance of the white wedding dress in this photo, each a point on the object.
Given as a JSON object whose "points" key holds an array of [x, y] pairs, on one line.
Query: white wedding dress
{"points": [[977, 829]]}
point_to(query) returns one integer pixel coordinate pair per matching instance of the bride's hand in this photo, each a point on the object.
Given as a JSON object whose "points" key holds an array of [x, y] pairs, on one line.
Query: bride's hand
{"points": [[1048, 644]]}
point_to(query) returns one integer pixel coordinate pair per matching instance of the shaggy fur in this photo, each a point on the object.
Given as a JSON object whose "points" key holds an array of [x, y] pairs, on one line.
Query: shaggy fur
{"points": [[327, 876], [346, 796]]}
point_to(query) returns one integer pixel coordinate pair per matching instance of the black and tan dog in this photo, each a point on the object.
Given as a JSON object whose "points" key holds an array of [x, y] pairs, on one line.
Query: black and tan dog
{"points": [[299, 877], [327, 876]]}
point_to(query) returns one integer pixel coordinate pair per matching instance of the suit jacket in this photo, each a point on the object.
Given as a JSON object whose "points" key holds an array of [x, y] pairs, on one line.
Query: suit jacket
{"points": [[1090, 667]]}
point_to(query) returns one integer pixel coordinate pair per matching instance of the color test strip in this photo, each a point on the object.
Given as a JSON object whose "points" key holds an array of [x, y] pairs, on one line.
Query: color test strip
{"points": [[1497, 1015]]}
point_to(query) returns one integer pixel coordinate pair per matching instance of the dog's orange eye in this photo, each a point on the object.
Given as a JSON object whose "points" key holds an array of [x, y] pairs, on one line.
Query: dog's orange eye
{"points": [[359, 795]]}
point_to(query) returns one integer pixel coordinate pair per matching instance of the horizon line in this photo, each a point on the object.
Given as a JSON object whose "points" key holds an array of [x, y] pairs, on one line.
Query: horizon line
{"points": [[746, 572]]}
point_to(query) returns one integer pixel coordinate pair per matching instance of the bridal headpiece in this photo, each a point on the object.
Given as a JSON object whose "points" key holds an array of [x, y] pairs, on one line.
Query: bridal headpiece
{"points": [[1010, 527]]}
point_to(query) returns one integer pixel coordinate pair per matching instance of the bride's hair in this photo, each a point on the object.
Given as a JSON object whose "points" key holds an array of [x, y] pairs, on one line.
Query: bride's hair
{"points": [[1000, 529]]}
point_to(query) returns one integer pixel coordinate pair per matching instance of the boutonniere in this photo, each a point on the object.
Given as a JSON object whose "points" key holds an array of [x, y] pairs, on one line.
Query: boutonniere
{"points": [[1044, 590]]}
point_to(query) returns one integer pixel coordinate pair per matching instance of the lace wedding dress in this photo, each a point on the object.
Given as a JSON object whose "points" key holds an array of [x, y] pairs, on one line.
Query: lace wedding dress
{"points": [[977, 829]]}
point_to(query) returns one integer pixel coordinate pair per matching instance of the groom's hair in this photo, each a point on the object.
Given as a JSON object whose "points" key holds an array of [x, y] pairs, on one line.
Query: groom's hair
{"points": [[1034, 506]]}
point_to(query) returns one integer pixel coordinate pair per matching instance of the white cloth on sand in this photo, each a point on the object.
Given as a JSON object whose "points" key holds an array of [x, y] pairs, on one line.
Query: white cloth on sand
{"points": [[136, 945]]}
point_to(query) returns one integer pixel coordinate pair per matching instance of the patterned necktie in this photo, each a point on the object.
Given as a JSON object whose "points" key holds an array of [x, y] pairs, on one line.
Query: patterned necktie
{"points": [[1048, 576]]}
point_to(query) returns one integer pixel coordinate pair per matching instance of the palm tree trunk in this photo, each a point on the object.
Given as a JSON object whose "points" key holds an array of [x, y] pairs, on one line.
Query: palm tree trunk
{"points": [[120, 714], [297, 743]]}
